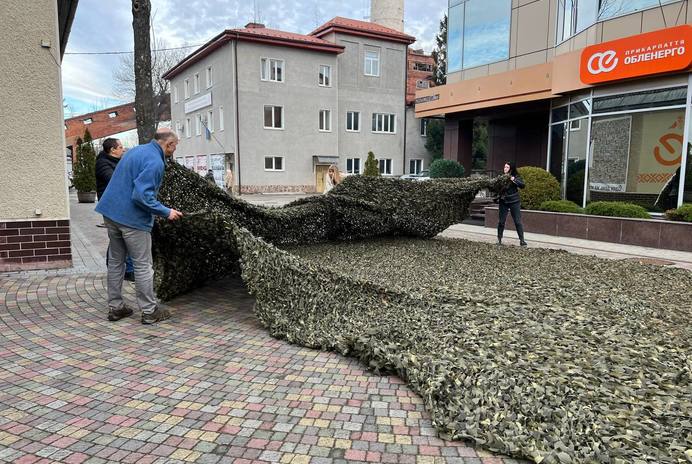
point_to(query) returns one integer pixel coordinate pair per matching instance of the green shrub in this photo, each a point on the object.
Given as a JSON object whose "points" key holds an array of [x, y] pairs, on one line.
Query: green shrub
{"points": [[84, 169], [540, 186], [446, 169], [372, 169], [616, 209], [683, 213], [561, 206]]}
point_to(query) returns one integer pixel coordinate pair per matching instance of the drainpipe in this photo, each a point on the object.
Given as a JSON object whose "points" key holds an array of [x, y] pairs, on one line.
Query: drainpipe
{"points": [[237, 113], [405, 92]]}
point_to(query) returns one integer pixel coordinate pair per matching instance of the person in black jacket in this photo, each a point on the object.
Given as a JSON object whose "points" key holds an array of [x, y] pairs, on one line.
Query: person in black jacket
{"points": [[106, 162], [509, 201]]}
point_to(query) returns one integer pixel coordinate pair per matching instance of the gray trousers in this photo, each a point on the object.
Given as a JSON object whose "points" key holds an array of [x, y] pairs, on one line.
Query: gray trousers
{"points": [[136, 243]]}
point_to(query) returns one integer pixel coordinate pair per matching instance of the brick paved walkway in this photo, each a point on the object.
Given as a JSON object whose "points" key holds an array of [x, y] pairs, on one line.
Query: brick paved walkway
{"points": [[210, 385]]}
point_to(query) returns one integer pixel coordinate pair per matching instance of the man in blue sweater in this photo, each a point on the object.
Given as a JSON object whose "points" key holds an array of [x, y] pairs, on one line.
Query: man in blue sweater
{"points": [[128, 206]]}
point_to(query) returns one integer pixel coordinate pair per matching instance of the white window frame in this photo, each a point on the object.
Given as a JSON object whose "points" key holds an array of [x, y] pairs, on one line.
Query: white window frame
{"points": [[324, 79], [424, 127], [210, 121], [283, 117], [210, 77], [87, 121], [265, 75], [325, 124], [196, 83], [221, 121], [388, 120], [274, 158], [416, 161], [572, 127], [373, 62], [177, 129], [355, 118], [186, 88], [175, 94], [422, 84], [387, 162], [188, 128], [198, 124], [353, 170]]}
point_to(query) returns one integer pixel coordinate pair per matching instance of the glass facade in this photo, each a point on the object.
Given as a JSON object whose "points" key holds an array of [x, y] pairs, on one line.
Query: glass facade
{"points": [[478, 33], [625, 147]]}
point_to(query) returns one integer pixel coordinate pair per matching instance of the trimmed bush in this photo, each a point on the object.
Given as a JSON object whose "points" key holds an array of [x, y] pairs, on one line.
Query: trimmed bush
{"points": [[683, 213], [540, 186], [561, 206], [84, 169], [446, 169], [616, 209], [372, 169]]}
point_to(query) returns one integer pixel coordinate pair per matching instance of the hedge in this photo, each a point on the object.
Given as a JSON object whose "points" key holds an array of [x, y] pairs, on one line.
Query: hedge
{"points": [[616, 209], [561, 206], [359, 207], [540, 186], [683, 213], [445, 168]]}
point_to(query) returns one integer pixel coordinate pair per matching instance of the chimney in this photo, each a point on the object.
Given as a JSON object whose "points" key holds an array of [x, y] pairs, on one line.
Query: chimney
{"points": [[254, 26], [388, 13]]}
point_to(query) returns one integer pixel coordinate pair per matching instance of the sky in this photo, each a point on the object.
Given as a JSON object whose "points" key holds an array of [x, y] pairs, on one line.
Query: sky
{"points": [[106, 26]]}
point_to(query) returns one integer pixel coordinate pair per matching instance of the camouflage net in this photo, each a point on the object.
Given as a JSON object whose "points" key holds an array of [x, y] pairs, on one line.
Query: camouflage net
{"points": [[575, 367]]}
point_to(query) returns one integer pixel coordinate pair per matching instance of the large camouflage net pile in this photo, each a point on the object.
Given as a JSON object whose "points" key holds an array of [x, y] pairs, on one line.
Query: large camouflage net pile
{"points": [[532, 353]]}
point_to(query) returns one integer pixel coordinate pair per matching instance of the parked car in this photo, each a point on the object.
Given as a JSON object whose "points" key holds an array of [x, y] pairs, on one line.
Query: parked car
{"points": [[423, 175]]}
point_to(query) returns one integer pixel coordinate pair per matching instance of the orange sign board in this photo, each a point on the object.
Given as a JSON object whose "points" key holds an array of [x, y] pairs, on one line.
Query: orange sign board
{"points": [[655, 52]]}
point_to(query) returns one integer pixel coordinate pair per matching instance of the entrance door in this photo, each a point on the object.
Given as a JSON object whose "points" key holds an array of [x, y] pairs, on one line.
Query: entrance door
{"points": [[320, 173]]}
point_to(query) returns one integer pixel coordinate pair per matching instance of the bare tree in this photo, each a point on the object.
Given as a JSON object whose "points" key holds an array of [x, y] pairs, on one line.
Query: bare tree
{"points": [[144, 93]]}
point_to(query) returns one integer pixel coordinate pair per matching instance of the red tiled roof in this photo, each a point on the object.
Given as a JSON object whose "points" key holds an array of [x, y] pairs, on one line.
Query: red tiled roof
{"points": [[362, 28], [255, 33]]}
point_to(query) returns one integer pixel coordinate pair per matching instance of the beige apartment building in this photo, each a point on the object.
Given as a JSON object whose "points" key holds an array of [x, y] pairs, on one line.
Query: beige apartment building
{"points": [[596, 91], [34, 207]]}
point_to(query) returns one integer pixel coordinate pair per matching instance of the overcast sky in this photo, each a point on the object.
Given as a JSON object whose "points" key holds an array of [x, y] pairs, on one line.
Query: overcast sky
{"points": [[105, 26]]}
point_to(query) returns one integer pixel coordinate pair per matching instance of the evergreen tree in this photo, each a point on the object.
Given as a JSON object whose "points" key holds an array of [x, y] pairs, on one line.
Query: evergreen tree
{"points": [[435, 138], [84, 170], [372, 168], [439, 54]]}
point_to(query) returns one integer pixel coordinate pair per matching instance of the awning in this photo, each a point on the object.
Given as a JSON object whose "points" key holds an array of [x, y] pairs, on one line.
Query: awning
{"points": [[317, 159]]}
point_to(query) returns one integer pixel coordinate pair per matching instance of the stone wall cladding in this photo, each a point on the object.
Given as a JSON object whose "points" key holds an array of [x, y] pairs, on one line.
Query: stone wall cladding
{"points": [[41, 244], [278, 189]]}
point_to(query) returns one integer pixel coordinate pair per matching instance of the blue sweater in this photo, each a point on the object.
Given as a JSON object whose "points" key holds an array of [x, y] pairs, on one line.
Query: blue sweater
{"points": [[130, 198]]}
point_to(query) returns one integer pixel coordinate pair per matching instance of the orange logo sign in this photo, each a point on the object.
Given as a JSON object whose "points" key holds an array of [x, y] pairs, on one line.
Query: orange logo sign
{"points": [[640, 55], [670, 149]]}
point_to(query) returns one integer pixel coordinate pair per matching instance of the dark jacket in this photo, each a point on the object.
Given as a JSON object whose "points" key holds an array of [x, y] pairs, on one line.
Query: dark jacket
{"points": [[105, 165], [510, 194]]}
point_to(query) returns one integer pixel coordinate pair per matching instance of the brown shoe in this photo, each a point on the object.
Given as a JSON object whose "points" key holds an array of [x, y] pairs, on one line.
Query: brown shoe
{"points": [[117, 314], [160, 314]]}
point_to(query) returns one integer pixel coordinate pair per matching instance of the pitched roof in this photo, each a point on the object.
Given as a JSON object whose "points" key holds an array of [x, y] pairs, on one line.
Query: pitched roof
{"points": [[362, 28], [255, 33]]}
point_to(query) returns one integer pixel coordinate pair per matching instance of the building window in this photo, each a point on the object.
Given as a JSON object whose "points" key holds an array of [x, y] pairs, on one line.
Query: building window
{"points": [[478, 33], [196, 83], [221, 125], [273, 163], [384, 123], [87, 121], [325, 121], [186, 88], [210, 121], [575, 125], [427, 67], [415, 166], [210, 77], [372, 63], [113, 114], [613, 8], [272, 70], [573, 16], [422, 84], [177, 128], [385, 166], [325, 76], [353, 165], [423, 127], [353, 121], [198, 126], [188, 128], [175, 94], [273, 117]]}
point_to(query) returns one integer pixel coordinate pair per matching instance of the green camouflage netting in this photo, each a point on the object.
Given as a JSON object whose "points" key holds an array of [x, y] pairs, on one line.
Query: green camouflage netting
{"points": [[533, 353], [189, 252]]}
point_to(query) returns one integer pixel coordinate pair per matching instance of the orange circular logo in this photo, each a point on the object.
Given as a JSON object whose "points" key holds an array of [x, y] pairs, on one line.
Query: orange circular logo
{"points": [[670, 149]]}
